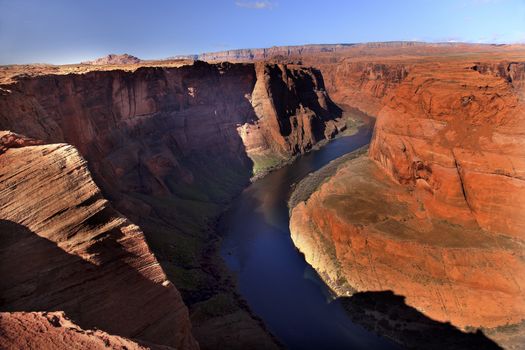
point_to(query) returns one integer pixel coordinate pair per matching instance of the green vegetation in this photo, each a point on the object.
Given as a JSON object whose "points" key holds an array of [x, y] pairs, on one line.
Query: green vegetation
{"points": [[179, 227], [304, 189], [264, 163], [217, 305], [189, 280]]}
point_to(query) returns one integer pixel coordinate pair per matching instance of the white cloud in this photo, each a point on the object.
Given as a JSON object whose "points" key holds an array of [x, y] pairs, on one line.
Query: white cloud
{"points": [[257, 5]]}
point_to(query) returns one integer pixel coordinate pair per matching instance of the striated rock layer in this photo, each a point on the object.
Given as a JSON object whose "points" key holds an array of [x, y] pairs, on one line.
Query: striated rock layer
{"points": [[293, 112], [436, 211], [456, 137], [64, 248]]}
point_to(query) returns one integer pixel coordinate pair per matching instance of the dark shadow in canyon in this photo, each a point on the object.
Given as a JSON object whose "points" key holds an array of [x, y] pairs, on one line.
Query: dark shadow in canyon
{"points": [[289, 99], [387, 314], [37, 275]]}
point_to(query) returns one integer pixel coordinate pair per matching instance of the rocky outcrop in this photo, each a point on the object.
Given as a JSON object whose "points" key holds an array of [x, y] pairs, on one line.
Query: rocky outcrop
{"points": [[365, 232], [64, 248], [10, 139], [53, 330], [293, 112], [435, 213], [513, 72], [113, 59]]}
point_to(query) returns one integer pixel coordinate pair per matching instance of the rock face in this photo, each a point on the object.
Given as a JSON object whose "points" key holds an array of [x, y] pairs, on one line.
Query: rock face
{"points": [[169, 147], [363, 85], [198, 108], [364, 232], [436, 212], [293, 112], [454, 137], [65, 248], [52, 330], [113, 59]]}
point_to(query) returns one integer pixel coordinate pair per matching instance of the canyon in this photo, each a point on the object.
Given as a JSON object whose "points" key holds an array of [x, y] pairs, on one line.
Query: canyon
{"points": [[114, 173], [434, 211], [168, 146]]}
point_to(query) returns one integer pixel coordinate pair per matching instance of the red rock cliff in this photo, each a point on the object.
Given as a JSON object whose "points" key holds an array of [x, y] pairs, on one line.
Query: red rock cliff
{"points": [[65, 248], [456, 136], [436, 211]]}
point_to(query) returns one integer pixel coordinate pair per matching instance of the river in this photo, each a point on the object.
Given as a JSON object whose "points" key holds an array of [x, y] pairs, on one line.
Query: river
{"points": [[272, 275]]}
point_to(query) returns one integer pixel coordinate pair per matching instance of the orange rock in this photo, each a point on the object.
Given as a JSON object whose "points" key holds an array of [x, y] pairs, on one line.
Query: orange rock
{"points": [[64, 247], [360, 230], [53, 330], [436, 213], [465, 130]]}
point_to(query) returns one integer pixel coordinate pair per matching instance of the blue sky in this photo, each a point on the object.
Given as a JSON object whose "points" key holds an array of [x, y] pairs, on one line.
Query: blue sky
{"points": [[66, 31]]}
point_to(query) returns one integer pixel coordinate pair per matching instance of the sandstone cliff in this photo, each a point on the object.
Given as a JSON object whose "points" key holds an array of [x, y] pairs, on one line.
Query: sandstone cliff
{"points": [[65, 248], [293, 112], [436, 213], [455, 137], [170, 146], [363, 85]]}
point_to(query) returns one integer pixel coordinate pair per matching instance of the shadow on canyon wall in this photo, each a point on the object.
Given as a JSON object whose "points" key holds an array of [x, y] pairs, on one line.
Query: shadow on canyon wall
{"points": [[388, 315], [37, 275]]}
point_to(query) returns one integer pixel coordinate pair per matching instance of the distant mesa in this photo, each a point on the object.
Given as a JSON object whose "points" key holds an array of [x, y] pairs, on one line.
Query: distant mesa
{"points": [[114, 59]]}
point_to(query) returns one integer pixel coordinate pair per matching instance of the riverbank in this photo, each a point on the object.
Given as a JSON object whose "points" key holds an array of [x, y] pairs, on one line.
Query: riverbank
{"points": [[272, 276]]}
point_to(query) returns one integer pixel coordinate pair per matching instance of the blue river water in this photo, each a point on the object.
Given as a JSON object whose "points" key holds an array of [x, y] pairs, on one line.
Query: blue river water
{"points": [[272, 275]]}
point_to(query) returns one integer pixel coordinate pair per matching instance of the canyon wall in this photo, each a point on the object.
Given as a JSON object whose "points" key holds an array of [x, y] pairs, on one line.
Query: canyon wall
{"points": [[293, 112], [435, 213], [64, 248], [455, 137], [363, 85], [169, 147], [333, 52]]}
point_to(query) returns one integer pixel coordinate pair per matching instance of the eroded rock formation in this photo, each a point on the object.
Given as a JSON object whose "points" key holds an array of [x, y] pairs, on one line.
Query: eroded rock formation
{"points": [[64, 248], [113, 59], [436, 211], [293, 112]]}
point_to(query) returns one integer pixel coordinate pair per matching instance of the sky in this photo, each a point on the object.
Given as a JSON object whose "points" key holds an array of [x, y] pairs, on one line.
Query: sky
{"points": [[70, 31]]}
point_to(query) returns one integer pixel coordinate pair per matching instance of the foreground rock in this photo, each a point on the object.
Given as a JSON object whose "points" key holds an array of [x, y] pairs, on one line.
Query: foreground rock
{"points": [[63, 247], [52, 330], [435, 213]]}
